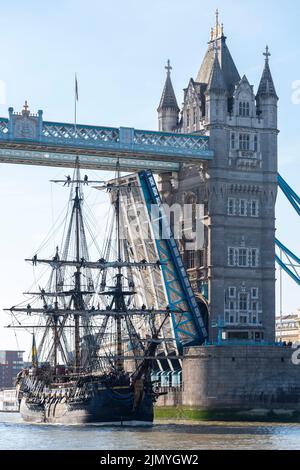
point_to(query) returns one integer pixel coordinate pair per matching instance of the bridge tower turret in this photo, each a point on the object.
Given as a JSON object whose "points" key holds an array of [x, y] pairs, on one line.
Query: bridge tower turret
{"points": [[266, 98], [168, 108]]}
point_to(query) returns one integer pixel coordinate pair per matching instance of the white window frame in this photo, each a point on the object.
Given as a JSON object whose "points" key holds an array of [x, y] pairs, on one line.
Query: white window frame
{"points": [[244, 203], [233, 296], [244, 109], [232, 201], [256, 213], [242, 255], [247, 302], [254, 293], [231, 256], [244, 142], [255, 252]]}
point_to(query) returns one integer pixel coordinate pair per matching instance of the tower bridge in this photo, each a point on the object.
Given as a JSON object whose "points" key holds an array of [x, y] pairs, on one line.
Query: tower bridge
{"points": [[219, 150]]}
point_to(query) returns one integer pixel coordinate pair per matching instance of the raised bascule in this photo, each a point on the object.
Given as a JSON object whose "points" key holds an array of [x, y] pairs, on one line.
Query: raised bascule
{"points": [[220, 151]]}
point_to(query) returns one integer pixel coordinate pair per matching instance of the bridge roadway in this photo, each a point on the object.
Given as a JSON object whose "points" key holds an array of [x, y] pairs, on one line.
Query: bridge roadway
{"points": [[25, 138]]}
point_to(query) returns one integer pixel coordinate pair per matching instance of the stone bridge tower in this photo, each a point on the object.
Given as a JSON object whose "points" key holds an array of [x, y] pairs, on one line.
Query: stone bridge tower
{"points": [[235, 269]]}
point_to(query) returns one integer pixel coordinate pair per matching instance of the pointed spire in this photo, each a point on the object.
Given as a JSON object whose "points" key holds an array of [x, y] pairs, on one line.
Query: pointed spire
{"points": [[168, 98], [230, 72], [216, 80], [244, 79], [266, 86]]}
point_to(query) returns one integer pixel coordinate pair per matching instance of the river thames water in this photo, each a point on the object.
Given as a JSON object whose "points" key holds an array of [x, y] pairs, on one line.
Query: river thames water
{"points": [[14, 434]]}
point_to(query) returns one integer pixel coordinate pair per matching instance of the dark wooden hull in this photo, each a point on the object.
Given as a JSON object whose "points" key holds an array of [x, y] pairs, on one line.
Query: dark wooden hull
{"points": [[111, 406]]}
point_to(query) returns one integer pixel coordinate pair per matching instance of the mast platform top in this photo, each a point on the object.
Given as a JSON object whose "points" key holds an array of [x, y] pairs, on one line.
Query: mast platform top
{"points": [[85, 181]]}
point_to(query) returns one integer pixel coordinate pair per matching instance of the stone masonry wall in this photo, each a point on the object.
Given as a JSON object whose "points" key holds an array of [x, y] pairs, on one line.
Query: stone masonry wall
{"points": [[220, 377]]}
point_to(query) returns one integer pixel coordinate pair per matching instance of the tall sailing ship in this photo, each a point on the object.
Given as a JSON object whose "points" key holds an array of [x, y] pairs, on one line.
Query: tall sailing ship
{"points": [[93, 342]]}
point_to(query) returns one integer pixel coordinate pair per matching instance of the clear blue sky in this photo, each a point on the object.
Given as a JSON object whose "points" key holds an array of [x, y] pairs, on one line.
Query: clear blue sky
{"points": [[119, 50]]}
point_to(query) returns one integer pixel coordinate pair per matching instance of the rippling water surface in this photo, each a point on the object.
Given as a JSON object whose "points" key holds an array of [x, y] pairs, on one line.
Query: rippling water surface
{"points": [[15, 434]]}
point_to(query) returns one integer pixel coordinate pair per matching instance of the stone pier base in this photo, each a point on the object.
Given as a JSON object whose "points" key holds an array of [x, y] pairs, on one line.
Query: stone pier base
{"points": [[237, 382]]}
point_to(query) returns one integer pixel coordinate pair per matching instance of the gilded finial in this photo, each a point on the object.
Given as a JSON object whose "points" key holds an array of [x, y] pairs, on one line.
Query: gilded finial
{"points": [[218, 30]]}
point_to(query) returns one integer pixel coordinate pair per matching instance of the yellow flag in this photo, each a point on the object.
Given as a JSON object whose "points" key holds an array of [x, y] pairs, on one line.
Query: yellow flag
{"points": [[34, 358]]}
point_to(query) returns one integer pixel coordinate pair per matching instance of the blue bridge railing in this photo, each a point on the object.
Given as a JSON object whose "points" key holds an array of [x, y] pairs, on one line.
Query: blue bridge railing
{"points": [[31, 129]]}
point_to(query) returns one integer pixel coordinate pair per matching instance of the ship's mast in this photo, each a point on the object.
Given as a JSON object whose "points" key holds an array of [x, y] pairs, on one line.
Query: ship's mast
{"points": [[76, 307], [119, 298], [77, 274], [55, 322]]}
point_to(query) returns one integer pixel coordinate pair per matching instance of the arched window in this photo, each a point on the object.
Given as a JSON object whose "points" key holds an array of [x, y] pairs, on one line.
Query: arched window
{"points": [[244, 108], [241, 109]]}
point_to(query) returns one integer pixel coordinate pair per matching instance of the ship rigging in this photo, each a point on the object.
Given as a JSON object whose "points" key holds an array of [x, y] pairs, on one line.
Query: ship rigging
{"points": [[92, 325]]}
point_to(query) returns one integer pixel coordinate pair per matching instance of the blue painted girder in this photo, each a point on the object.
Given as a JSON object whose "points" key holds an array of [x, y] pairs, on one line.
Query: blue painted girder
{"points": [[291, 268], [293, 262], [290, 194], [188, 326], [33, 138]]}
